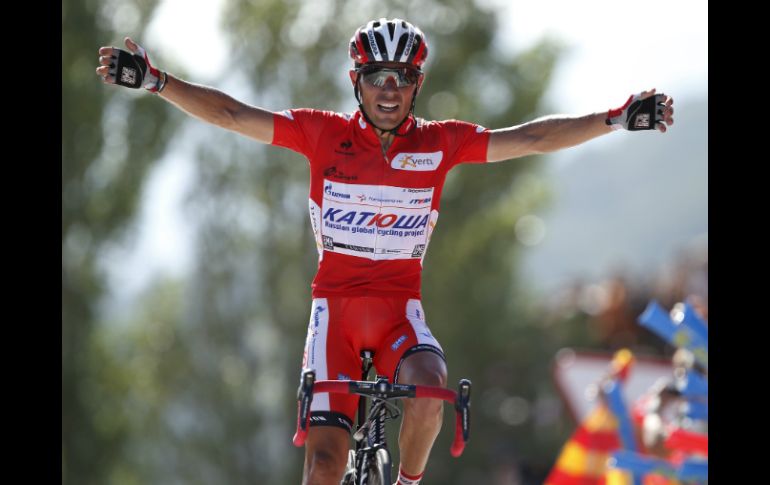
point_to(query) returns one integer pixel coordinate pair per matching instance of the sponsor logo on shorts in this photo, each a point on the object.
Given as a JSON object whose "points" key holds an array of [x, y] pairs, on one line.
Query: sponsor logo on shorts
{"points": [[398, 342], [316, 322], [316, 313]]}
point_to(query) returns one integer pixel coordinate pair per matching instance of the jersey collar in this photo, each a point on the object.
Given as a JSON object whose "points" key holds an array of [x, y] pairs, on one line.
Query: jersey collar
{"points": [[403, 129]]}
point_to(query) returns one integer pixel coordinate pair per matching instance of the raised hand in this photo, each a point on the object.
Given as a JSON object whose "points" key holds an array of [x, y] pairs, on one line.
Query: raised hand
{"points": [[130, 68], [643, 111]]}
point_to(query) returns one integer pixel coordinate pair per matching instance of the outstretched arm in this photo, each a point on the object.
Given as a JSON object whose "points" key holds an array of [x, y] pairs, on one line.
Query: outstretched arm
{"points": [[551, 133], [202, 102]]}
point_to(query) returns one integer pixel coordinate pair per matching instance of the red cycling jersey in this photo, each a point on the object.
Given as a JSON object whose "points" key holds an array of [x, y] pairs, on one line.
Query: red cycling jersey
{"points": [[373, 211]]}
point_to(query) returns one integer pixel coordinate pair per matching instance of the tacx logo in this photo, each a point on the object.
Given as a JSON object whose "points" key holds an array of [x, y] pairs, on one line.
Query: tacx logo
{"points": [[328, 191], [418, 162]]}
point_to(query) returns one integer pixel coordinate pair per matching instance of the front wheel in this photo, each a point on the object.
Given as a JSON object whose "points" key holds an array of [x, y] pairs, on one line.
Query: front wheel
{"points": [[350, 470], [379, 471]]}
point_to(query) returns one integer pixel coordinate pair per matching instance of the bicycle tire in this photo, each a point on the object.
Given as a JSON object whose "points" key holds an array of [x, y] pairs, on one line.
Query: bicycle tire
{"points": [[379, 469], [350, 470]]}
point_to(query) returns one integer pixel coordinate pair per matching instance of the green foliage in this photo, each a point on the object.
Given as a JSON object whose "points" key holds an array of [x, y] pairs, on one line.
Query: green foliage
{"points": [[198, 386], [251, 202], [101, 183]]}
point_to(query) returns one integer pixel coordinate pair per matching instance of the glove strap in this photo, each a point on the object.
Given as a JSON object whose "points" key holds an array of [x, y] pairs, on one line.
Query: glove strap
{"points": [[161, 84]]}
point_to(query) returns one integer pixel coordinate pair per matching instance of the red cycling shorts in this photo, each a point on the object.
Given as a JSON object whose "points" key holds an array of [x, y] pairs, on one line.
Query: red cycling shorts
{"points": [[341, 327]]}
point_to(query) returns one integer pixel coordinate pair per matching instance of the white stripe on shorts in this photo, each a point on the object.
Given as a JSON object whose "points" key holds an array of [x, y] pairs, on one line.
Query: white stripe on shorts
{"points": [[416, 316], [315, 349]]}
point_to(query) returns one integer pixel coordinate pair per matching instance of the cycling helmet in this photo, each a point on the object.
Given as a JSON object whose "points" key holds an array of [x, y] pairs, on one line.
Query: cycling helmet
{"points": [[385, 40]]}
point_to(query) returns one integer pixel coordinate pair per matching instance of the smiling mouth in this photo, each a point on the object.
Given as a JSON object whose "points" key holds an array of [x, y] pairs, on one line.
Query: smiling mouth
{"points": [[387, 107]]}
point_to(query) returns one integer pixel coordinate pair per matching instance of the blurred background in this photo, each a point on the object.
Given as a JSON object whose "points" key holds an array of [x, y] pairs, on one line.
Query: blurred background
{"points": [[187, 256]]}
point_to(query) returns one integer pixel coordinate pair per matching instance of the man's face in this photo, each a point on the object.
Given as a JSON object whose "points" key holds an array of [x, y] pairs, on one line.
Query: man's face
{"points": [[385, 102]]}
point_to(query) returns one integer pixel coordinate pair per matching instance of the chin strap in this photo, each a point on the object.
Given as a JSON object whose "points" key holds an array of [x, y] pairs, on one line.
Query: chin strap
{"points": [[394, 130]]}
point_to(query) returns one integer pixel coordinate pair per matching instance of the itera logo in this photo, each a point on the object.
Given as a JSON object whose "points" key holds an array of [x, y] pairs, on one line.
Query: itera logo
{"points": [[419, 162]]}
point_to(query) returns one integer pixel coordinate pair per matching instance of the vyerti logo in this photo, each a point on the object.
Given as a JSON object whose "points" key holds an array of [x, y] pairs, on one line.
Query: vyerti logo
{"points": [[417, 162]]}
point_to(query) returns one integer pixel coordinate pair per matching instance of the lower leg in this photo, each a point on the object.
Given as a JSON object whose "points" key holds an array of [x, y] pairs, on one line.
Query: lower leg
{"points": [[326, 452], [422, 417]]}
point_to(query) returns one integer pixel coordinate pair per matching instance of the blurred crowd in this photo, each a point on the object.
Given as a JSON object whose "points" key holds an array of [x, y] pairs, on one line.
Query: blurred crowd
{"points": [[610, 307]]}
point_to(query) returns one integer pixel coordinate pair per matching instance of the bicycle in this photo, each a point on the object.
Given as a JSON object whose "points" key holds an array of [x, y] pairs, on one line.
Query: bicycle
{"points": [[370, 463]]}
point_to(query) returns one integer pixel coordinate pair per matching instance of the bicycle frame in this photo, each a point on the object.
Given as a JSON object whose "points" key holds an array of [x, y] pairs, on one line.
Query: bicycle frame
{"points": [[370, 432]]}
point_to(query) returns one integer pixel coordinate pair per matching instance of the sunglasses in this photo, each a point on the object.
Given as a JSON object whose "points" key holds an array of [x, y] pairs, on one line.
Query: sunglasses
{"points": [[378, 76]]}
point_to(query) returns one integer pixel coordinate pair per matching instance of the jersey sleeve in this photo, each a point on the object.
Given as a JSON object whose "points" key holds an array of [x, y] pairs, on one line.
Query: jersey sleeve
{"points": [[467, 142], [299, 129]]}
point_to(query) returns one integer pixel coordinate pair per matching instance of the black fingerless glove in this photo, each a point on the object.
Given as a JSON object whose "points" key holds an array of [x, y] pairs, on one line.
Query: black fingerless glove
{"points": [[637, 114], [135, 71]]}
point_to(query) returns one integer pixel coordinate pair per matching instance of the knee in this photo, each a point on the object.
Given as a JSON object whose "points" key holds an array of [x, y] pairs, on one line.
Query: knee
{"points": [[425, 369], [433, 376]]}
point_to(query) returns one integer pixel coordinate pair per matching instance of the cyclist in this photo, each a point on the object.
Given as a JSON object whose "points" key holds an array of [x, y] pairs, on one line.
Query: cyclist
{"points": [[375, 184]]}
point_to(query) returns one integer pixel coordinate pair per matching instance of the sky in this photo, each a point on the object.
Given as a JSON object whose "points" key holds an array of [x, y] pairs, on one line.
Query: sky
{"points": [[614, 48]]}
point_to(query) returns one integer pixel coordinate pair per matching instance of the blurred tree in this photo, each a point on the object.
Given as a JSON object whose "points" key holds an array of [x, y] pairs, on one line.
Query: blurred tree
{"points": [[110, 138], [206, 372], [250, 295]]}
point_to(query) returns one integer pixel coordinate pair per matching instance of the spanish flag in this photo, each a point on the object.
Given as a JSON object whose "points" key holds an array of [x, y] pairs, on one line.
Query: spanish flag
{"points": [[583, 459]]}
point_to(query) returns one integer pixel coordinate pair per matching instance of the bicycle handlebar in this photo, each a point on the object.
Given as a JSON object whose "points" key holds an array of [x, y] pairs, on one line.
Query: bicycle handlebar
{"points": [[384, 390]]}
